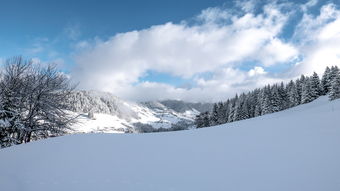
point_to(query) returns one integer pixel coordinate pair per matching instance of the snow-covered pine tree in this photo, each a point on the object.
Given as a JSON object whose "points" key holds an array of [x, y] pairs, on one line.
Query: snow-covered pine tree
{"points": [[221, 111], [237, 111], [199, 122], [241, 109], [335, 88], [257, 111], [315, 86], [245, 109], [300, 84], [277, 97], [214, 115], [266, 103], [206, 119], [276, 101], [258, 106], [306, 95], [334, 72], [293, 94], [252, 102], [232, 108], [226, 107], [283, 96], [326, 81]]}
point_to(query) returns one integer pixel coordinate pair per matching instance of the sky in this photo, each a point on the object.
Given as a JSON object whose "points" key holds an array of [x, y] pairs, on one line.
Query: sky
{"points": [[192, 50]]}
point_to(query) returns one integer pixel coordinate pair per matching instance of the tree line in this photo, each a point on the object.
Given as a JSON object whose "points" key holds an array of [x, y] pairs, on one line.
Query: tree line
{"points": [[273, 98], [32, 102]]}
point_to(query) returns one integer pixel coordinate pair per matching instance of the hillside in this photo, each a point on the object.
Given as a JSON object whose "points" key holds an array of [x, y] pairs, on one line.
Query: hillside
{"points": [[295, 150], [114, 115]]}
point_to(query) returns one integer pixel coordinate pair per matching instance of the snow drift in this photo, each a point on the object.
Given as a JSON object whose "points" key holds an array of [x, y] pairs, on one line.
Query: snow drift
{"points": [[295, 150]]}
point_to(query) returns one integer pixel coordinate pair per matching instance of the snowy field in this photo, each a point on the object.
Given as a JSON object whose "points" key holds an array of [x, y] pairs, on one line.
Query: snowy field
{"points": [[293, 150]]}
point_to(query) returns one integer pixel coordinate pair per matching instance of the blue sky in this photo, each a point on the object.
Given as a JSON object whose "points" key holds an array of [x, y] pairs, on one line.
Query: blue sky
{"points": [[191, 50], [26, 23]]}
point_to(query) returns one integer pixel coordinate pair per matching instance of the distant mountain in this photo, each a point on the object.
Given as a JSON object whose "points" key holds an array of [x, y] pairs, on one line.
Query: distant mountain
{"points": [[104, 112], [181, 106]]}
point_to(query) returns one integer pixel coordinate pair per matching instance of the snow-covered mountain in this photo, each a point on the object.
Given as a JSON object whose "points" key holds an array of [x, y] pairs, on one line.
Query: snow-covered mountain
{"points": [[295, 149], [181, 106], [104, 112]]}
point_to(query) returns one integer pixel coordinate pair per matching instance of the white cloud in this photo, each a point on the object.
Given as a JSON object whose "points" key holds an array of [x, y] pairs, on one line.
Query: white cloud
{"points": [[277, 52], [308, 5], [221, 40], [213, 14], [247, 6], [319, 40], [225, 83], [221, 43], [256, 71]]}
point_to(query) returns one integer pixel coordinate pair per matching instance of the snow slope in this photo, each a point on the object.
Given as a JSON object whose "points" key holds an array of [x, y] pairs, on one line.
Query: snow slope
{"points": [[292, 150], [114, 115]]}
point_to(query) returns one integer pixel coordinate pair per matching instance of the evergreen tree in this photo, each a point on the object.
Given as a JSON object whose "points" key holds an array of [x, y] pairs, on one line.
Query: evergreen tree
{"points": [[276, 101], [237, 111], [252, 99], [266, 101], [221, 113], [214, 115], [227, 110], [275, 98], [283, 95], [232, 109], [334, 72], [298, 84], [315, 87], [258, 106], [206, 119], [241, 109], [199, 121], [293, 95], [245, 109], [258, 111], [335, 88], [326, 81], [306, 95]]}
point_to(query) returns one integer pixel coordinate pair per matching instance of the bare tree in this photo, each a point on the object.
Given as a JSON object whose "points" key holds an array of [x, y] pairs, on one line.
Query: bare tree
{"points": [[33, 97]]}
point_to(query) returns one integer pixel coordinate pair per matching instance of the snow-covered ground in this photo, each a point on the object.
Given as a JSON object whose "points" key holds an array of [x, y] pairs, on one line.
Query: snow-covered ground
{"points": [[292, 150], [100, 123], [108, 123], [114, 115]]}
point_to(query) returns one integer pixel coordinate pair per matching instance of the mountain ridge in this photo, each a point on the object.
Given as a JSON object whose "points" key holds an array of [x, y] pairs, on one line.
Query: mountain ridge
{"points": [[105, 112]]}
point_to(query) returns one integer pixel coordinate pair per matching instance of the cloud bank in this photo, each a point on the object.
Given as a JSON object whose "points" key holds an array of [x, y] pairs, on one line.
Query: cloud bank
{"points": [[222, 52]]}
